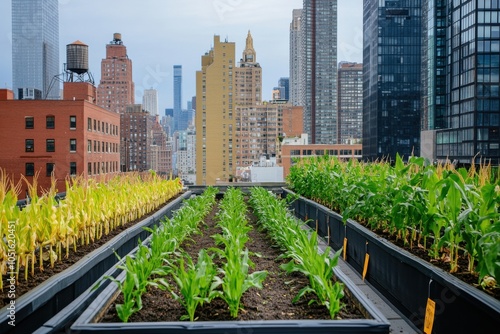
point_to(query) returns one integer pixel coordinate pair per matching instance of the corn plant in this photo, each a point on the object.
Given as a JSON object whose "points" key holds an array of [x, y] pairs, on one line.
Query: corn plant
{"points": [[236, 279], [455, 210], [196, 283], [149, 261], [302, 250]]}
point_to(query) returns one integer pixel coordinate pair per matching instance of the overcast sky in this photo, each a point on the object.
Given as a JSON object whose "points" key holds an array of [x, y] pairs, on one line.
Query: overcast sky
{"points": [[161, 33]]}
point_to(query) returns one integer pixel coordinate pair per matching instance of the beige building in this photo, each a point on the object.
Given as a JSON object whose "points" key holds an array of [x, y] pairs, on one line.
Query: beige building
{"points": [[248, 77], [215, 119]]}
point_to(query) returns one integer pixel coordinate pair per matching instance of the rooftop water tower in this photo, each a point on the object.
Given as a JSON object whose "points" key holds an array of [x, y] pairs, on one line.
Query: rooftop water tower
{"points": [[77, 58]]}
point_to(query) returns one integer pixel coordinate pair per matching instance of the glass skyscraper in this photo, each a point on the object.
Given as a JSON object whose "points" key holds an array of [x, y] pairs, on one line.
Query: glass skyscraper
{"points": [[177, 96], [35, 46], [461, 113], [391, 78], [319, 42]]}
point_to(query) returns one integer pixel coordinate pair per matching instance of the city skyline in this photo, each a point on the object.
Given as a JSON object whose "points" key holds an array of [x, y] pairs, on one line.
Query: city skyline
{"points": [[179, 35]]}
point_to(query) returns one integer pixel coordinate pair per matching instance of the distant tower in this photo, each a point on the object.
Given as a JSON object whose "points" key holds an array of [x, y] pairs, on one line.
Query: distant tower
{"points": [[350, 103], [35, 46], [116, 88], [177, 95], [248, 77], [150, 101], [319, 29], [296, 54]]}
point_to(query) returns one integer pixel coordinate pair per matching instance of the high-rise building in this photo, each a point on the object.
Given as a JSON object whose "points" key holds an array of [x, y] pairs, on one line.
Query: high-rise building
{"points": [[284, 83], [150, 101], [248, 79], [461, 65], [177, 96], [116, 88], [35, 46], [350, 103], [319, 28], [136, 138], [296, 62], [161, 153], [391, 78], [215, 119]]}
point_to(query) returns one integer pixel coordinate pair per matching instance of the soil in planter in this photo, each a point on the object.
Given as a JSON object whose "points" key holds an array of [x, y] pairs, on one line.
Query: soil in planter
{"points": [[442, 263], [24, 286], [273, 302]]}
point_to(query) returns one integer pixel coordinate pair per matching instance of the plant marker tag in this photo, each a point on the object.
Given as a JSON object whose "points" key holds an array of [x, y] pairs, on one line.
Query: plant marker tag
{"points": [[365, 266], [345, 248], [429, 316]]}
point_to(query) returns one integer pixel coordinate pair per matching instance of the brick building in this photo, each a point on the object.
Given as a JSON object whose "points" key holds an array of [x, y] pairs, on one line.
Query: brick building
{"points": [[136, 135], [62, 138]]}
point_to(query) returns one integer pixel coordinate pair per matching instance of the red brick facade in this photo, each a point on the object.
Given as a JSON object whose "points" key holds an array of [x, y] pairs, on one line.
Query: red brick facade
{"points": [[72, 137]]}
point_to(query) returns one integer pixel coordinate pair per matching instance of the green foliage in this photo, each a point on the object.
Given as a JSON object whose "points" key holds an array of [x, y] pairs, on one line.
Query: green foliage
{"points": [[301, 248], [454, 209]]}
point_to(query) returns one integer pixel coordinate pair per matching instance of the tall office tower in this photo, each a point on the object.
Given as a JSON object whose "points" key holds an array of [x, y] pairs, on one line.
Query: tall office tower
{"points": [[248, 79], [35, 46], [296, 62], [177, 96], [161, 153], [391, 78], [136, 138], [319, 23], [215, 121], [350, 103], [285, 84], [461, 56], [150, 101], [116, 88]]}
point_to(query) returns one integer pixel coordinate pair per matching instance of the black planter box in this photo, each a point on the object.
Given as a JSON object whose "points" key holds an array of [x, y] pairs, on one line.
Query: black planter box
{"points": [[404, 279], [44, 302]]}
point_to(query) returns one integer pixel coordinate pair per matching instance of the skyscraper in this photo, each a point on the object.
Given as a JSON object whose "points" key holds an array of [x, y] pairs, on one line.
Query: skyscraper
{"points": [[350, 100], [150, 101], [35, 46], [215, 121], [116, 88], [391, 78], [285, 84], [248, 80], [461, 104], [177, 96], [296, 82], [319, 27]]}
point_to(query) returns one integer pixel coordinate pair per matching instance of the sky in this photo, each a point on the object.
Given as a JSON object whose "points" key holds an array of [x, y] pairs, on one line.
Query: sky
{"points": [[159, 34]]}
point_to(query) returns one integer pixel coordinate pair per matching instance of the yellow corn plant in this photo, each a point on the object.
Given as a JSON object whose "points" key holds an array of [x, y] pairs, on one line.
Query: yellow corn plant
{"points": [[46, 229]]}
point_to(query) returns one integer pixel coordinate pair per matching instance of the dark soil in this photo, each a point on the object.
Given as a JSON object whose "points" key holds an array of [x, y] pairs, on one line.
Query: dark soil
{"points": [[273, 302], [24, 286]]}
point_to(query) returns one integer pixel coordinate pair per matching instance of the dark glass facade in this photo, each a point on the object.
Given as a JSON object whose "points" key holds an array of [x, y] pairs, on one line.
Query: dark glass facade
{"points": [[319, 28], [391, 78], [463, 79]]}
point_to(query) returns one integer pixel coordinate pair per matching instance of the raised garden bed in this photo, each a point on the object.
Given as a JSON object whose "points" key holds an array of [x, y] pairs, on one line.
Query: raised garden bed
{"points": [[404, 279], [40, 304], [264, 311]]}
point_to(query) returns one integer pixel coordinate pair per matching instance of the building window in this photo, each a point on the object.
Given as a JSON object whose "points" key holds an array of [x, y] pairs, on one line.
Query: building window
{"points": [[89, 168], [89, 124], [50, 168], [95, 125], [30, 122], [72, 145], [30, 169], [72, 122], [72, 168], [89, 146], [50, 122], [30, 145], [51, 145]]}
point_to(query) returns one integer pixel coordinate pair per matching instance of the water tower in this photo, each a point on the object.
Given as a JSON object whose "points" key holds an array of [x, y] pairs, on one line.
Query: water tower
{"points": [[77, 66]]}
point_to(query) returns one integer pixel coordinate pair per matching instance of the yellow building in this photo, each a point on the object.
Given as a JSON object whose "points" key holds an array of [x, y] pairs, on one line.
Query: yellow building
{"points": [[215, 120]]}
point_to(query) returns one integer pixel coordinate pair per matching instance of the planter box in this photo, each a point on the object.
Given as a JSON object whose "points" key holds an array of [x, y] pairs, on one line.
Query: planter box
{"points": [[39, 305], [404, 279], [375, 322]]}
